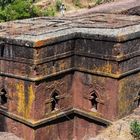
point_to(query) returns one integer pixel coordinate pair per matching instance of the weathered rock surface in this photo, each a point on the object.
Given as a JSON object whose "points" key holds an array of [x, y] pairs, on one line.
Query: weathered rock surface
{"points": [[8, 136], [120, 130], [131, 7], [133, 11]]}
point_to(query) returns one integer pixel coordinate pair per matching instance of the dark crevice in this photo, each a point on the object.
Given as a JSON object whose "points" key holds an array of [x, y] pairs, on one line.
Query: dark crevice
{"points": [[94, 102], [54, 103], [3, 96], [2, 49]]}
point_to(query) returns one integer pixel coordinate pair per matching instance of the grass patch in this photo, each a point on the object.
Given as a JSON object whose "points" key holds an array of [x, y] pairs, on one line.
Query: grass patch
{"points": [[77, 3], [135, 129], [51, 11]]}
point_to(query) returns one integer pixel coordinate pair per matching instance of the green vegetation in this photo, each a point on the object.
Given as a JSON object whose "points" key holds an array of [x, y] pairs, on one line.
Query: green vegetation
{"points": [[58, 4], [3, 3], [51, 11], [135, 129], [20, 9], [102, 1], [17, 9], [77, 3], [98, 2]]}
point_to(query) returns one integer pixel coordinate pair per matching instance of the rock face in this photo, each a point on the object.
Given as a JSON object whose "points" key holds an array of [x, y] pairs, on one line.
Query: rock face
{"points": [[130, 7], [120, 130], [68, 78], [8, 136], [65, 78], [133, 11]]}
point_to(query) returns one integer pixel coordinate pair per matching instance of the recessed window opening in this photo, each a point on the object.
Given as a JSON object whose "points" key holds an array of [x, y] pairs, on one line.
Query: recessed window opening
{"points": [[54, 103], [94, 103], [2, 50], [3, 97], [53, 62]]}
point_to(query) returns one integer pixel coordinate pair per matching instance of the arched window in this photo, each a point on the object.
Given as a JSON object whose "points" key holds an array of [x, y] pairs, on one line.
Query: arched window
{"points": [[2, 48], [54, 101], [3, 97], [94, 102]]}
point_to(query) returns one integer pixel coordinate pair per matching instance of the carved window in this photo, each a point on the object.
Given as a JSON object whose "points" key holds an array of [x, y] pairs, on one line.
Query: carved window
{"points": [[94, 101], [54, 101], [3, 97], [2, 48], [95, 98]]}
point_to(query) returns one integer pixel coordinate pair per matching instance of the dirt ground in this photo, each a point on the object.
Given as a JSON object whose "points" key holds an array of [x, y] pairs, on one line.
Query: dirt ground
{"points": [[120, 130], [119, 6]]}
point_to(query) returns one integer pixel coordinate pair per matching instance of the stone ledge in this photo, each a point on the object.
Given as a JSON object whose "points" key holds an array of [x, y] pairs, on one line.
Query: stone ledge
{"points": [[73, 111], [99, 73]]}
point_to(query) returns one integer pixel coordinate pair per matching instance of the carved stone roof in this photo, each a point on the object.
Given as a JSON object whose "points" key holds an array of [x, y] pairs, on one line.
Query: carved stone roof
{"points": [[44, 30]]}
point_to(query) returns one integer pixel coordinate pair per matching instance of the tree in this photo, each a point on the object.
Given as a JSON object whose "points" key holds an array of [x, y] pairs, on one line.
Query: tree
{"points": [[17, 9], [3, 3]]}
